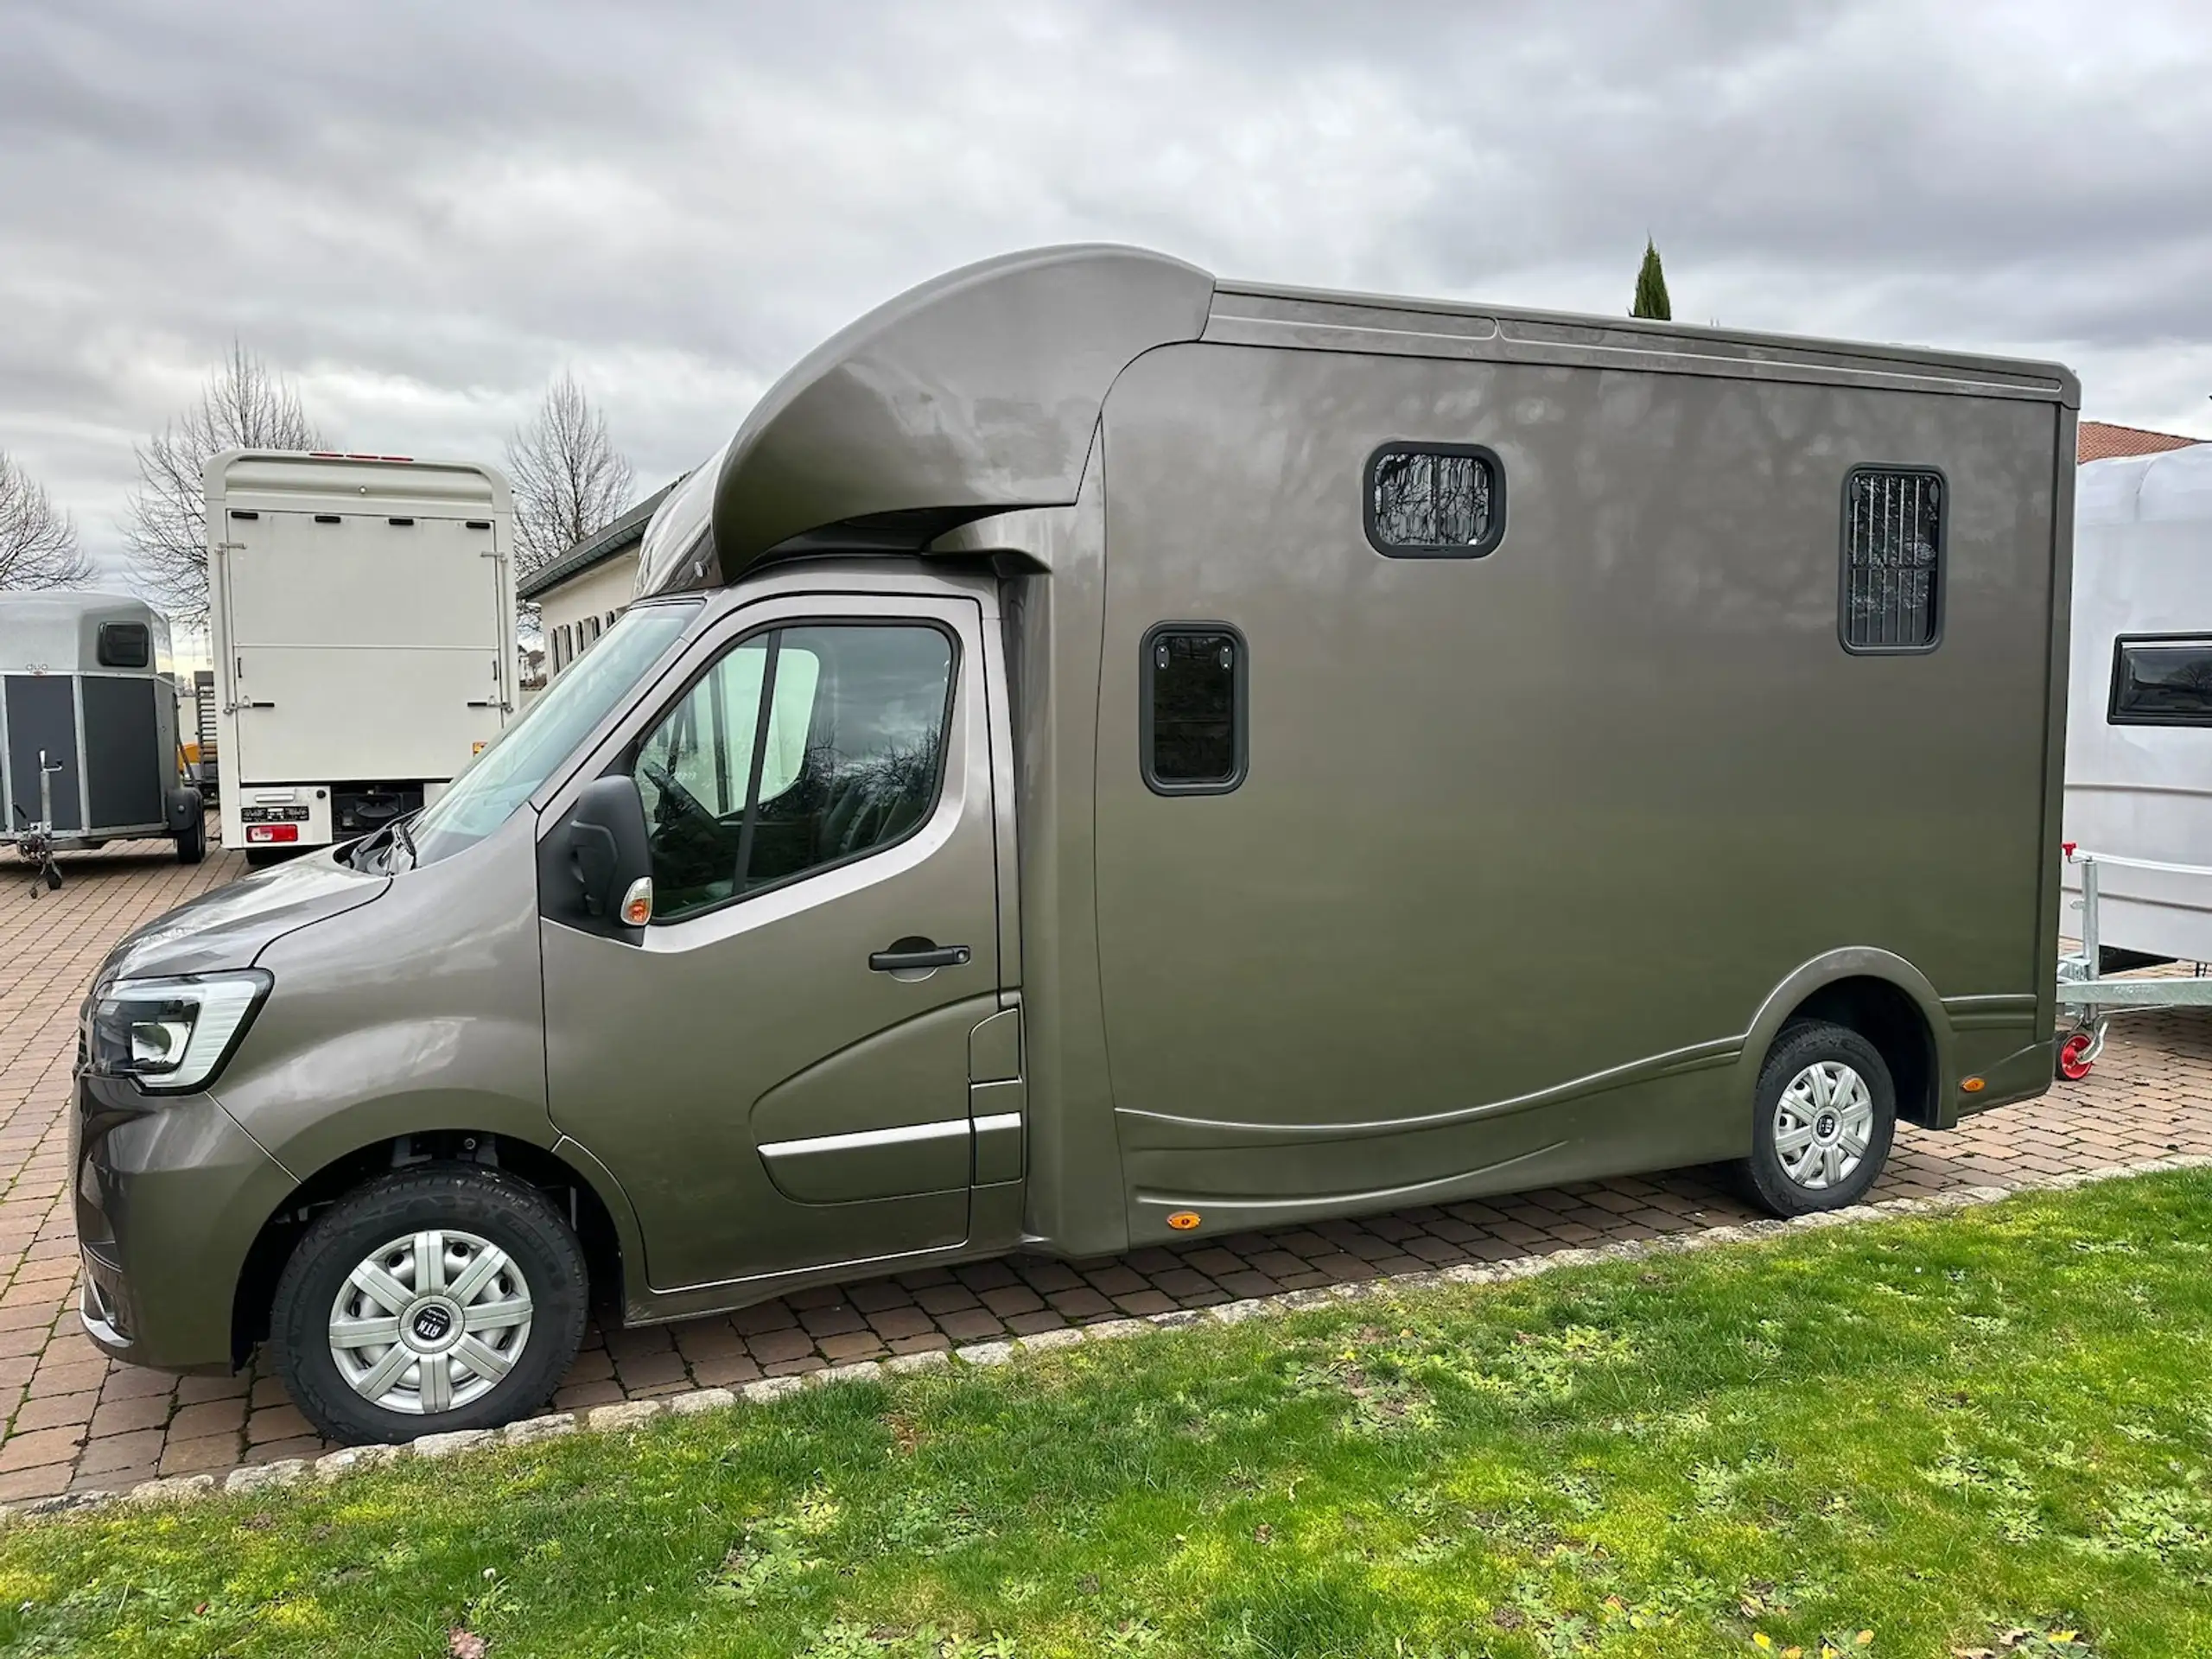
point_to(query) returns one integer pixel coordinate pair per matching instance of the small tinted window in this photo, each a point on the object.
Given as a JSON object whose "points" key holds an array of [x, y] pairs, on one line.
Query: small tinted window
{"points": [[125, 644], [1892, 559], [845, 761], [1434, 501], [1193, 729], [2161, 682]]}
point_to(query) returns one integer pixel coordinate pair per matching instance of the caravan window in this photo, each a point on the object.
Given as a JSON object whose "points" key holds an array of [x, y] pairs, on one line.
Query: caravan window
{"points": [[125, 644], [2161, 682], [1434, 501], [1892, 559]]}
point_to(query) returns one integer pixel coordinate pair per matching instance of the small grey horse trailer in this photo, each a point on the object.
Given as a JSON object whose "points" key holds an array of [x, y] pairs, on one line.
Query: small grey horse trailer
{"points": [[88, 727], [1106, 756]]}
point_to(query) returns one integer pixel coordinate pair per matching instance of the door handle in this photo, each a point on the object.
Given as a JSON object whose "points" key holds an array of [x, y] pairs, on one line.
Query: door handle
{"points": [[918, 953]]}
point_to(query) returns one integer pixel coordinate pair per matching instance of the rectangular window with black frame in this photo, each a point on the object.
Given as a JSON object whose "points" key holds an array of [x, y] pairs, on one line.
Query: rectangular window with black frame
{"points": [[1892, 559]]}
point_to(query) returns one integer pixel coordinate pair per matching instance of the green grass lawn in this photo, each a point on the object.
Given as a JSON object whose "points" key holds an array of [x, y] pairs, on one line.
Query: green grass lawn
{"points": [[1989, 1430]]}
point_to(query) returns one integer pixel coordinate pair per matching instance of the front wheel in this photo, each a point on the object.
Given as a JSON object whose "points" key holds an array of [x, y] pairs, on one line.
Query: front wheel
{"points": [[1825, 1114], [445, 1298]]}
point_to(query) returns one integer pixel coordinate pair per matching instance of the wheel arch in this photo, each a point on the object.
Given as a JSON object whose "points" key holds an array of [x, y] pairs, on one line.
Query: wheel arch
{"points": [[1885, 1000], [592, 1206]]}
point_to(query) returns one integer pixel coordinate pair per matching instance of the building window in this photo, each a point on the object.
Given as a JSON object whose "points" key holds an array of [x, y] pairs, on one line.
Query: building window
{"points": [[1190, 736], [1434, 501], [1892, 559], [2161, 681]]}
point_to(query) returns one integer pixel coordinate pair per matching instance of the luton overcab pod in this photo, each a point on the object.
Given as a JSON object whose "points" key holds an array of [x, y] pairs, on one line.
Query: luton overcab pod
{"points": [[1105, 755]]}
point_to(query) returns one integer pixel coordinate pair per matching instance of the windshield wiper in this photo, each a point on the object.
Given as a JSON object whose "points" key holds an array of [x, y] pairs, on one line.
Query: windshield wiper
{"points": [[400, 837]]}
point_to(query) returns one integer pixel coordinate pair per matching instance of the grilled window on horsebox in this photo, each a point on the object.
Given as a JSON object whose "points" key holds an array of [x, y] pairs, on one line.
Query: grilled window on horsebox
{"points": [[1892, 559]]}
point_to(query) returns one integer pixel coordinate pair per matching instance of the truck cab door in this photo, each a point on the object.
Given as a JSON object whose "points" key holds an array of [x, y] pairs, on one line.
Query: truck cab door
{"points": [[777, 1068]]}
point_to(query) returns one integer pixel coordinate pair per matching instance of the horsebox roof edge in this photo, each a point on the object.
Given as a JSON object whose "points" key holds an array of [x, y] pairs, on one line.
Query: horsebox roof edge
{"points": [[2064, 385]]}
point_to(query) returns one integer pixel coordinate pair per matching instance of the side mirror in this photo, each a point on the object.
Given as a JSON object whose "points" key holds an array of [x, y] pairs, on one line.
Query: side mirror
{"points": [[607, 850]]}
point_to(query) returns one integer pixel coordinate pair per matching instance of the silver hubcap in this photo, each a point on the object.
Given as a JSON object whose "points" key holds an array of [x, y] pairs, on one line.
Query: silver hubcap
{"points": [[430, 1322], [1822, 1123]]}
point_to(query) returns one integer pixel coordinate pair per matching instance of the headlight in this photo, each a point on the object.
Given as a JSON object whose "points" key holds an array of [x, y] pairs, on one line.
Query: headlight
{"points": [[172, 1035]]}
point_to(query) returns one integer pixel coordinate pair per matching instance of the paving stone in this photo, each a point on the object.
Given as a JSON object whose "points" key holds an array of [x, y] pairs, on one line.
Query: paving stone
{"points": [[177, 1489], [633, 1413], [191, 1457], [702, 1399], [447, 1445], [285, 1472], [104, 1457], [931, 1360], [348, 1460]]}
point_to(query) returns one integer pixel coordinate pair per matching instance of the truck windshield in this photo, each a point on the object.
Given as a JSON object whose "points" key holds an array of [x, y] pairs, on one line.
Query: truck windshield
{"points": [[522, 757]]}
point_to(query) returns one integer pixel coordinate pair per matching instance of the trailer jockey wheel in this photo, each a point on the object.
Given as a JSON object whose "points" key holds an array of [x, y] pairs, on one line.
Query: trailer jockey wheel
{"points": [[2077, 1054]]}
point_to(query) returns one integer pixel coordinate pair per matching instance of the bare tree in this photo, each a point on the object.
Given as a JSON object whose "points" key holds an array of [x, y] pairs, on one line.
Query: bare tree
{"points": [[243, 406], [38, 543], [568, 481]]}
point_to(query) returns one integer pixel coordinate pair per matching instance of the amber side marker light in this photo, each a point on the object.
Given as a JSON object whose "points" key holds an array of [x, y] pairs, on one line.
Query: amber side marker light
{"points": [[1972, 1085], [1183, 1220]]}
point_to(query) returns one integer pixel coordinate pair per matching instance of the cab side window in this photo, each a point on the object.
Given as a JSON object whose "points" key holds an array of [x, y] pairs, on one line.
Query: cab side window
{"points": [[799, 749]]}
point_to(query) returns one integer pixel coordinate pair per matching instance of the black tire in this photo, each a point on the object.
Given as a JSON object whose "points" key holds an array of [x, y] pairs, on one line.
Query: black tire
{"points": [[1766, 1176], [191, 845], [456, 1198]]}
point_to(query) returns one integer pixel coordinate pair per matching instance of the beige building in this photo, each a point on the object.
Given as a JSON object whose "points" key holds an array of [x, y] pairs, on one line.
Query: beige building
{"points": [[579, 594]]}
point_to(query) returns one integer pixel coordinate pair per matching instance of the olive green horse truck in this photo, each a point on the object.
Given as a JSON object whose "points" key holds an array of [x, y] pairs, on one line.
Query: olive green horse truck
{"points": [[1109, 756]]}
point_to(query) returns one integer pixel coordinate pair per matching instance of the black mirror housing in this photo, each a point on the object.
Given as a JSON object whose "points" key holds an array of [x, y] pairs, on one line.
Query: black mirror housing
{"points": [[602, 850]]}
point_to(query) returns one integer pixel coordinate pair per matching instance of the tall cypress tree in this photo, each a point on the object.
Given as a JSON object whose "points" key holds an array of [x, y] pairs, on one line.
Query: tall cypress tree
{"points": [[1651, 288]]}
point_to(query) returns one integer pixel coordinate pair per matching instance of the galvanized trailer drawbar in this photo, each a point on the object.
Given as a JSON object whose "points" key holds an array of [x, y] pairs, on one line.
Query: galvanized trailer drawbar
{"points": [[2093, 998]]}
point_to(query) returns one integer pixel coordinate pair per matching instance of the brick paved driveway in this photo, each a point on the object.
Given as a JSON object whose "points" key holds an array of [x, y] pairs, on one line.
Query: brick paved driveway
{"points": [[73, 1420]]}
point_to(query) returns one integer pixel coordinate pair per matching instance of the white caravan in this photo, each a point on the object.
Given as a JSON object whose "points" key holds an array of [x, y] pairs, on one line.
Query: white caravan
{"points": [[362, 615], [2139, 728]]}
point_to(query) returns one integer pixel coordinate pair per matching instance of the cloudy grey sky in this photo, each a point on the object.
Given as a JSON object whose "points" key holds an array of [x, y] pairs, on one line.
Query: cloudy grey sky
{"points": [[421, 211]]}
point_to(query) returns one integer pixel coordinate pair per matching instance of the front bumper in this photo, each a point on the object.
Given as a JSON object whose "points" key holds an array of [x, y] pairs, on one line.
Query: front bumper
{"points": [[169, 1198]]}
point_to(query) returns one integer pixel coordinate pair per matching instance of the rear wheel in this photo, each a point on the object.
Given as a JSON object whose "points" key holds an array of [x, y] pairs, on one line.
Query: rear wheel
{"points": [[192, 844], [447, 1298], [1824, 1114]]}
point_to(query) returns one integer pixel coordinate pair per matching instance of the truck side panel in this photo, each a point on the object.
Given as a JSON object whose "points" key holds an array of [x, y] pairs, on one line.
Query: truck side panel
{"points": [[1527, 840]]}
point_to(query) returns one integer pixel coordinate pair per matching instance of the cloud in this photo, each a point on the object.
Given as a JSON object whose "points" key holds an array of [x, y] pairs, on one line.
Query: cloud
{"points": [[421, 211]]}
